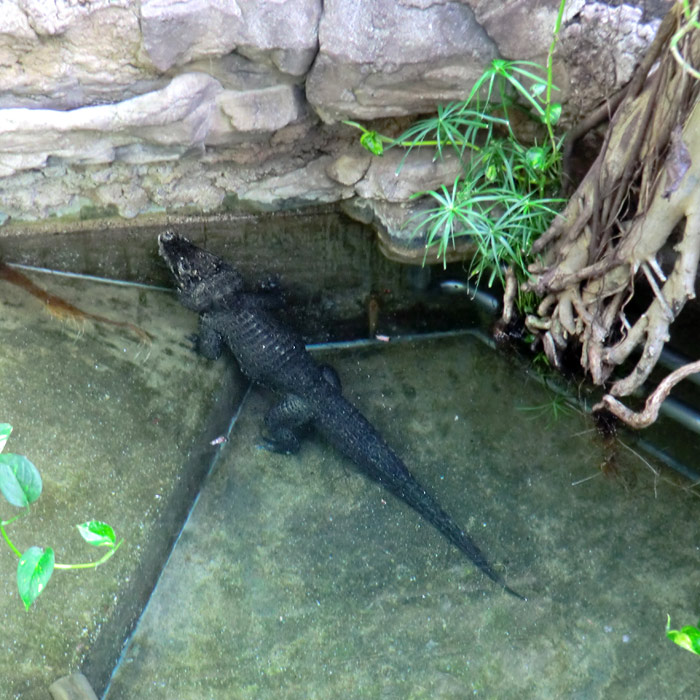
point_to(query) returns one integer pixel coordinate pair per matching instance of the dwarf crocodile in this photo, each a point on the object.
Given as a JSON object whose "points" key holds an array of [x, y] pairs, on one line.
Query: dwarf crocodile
{"points": [[276, 358]]}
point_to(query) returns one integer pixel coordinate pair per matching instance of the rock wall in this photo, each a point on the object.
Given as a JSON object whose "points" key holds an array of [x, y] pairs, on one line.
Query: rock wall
{"points": [[125, 108]]}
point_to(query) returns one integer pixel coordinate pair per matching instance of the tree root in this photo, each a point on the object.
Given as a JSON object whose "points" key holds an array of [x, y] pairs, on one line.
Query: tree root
{"points": [[646, 417], [614, 236]]}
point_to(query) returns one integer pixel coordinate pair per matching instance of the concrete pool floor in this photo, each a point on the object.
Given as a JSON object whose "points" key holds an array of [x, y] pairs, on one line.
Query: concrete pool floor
{"points": [[294, 576]]}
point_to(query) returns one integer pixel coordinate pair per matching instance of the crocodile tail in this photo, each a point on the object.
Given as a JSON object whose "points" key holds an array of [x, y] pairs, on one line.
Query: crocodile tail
{"points": [[353, 435], [420, 500]]}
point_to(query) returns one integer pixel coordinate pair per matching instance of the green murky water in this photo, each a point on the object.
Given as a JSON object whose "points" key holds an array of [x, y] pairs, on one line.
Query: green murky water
{"points": [[296, 577]]}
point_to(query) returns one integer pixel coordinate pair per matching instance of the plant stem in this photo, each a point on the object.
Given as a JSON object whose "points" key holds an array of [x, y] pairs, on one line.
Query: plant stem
{"points": [[448, 142], [91, 564], [7, 539], [550, 61]]}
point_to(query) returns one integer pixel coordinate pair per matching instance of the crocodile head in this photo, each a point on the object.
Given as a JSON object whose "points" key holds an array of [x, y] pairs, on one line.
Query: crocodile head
{"points": [[203, 281]]}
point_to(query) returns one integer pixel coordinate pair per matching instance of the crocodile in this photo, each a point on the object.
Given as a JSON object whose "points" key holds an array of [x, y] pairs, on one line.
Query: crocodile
{"points": [[274, 356]]}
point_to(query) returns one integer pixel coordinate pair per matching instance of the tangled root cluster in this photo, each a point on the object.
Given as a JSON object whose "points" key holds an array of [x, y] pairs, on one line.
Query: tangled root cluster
{"points": [[634, 220]]}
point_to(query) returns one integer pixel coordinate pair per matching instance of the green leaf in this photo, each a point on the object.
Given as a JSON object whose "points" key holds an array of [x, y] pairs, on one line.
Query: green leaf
{"points": [[97, 533], [5, 430], [491, 172], [685, 640], [20, 481], [33, 573], [687, 637], [536, 157], [372, 142], [552, 114]]}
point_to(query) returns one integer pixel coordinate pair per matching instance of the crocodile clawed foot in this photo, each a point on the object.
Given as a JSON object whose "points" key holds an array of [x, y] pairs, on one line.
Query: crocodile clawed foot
{"points": [[283, 442]]}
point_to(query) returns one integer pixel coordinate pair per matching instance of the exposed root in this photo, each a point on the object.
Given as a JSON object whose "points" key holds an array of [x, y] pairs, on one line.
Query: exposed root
{"points": [[615, 232], [646, 417], [63, 310], [509, 295]]}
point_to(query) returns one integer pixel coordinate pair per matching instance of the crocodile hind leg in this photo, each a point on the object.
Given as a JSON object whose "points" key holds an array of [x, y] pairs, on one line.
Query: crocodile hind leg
{"points": [[284, 424], [287, 420], [331, 376]]}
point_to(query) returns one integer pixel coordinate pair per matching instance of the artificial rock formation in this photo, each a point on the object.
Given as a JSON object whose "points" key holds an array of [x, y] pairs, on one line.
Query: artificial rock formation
{"points": [[199, 106]]}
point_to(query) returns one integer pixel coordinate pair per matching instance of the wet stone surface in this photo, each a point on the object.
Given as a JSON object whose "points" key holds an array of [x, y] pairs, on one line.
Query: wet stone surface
{"points": [[113, 421]]}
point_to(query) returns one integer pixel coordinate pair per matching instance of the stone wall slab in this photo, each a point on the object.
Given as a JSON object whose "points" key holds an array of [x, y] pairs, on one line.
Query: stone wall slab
{"points": [[283, 31], [379, 58]]}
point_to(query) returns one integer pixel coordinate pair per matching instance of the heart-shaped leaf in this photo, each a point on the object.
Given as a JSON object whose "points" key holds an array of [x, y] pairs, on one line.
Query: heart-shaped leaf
{"points": [[97, 533], [5, 430], [20, 481], [33, 573]]}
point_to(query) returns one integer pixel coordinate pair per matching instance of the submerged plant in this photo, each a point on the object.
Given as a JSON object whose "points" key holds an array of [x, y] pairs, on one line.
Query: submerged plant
{"points": [[687, 637], [554, 409], [20, 484]]}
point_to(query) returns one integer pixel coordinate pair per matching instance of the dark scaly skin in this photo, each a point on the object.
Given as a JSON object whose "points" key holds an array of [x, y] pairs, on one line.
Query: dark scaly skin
{"points": [[276, 358]]}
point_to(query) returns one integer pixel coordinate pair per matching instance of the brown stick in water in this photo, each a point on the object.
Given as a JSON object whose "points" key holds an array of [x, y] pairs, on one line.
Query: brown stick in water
{"points": [[60, 308]]}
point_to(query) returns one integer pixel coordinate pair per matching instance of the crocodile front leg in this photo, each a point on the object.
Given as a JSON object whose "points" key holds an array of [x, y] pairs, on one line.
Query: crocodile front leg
{"points": [[208, 341]]}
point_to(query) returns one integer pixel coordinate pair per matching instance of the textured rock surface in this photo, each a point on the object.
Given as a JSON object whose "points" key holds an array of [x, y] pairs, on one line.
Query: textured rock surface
{"points": [[118, 107], [283, 32], [66, 54], [396, 176], [602, 45], [173, 119], [380, 58]]}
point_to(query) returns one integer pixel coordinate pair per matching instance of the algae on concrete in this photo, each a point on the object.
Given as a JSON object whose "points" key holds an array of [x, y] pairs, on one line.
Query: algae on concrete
{"points": [[114, 425]]}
